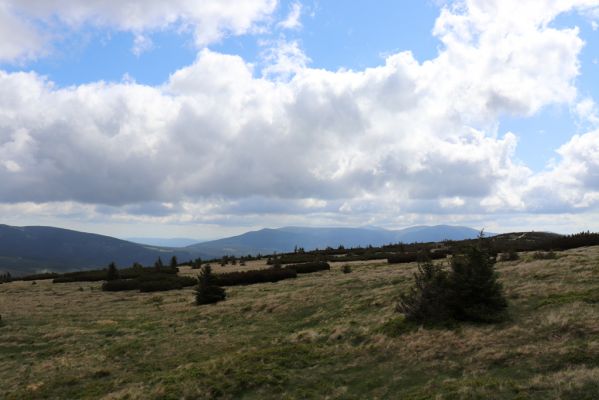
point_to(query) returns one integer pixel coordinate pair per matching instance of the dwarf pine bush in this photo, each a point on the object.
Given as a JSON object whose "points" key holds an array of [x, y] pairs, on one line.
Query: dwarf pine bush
{"points": [[468, 291], [208, 291]]}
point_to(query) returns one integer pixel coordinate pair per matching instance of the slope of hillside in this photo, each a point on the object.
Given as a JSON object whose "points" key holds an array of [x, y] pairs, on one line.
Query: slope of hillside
{"points": [[25, 250], [325, 335], [283, 240]]}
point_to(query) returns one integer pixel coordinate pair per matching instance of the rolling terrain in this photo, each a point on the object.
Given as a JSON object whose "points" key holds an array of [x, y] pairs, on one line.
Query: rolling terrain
{"points": [[33, 249], [324, 335], [284, 240]]}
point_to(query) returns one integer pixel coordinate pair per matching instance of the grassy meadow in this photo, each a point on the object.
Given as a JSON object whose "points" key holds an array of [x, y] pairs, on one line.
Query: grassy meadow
{"points": [[330, 335]]}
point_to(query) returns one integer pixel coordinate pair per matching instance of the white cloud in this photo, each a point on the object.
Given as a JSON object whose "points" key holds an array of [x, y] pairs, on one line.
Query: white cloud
{"points": [[586, 110], [381, 145], [209, 20], [283, 59], [19, 40], [141, 44], [293, 20], [573, 182]]}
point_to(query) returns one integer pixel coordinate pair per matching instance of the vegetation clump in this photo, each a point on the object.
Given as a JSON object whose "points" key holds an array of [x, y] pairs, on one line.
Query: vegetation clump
{"points": [[165, 284], [510, 255], [113, 273], [346, 269], [151, 282], [469, 291], [119, 285], [207, 290], [428, 300], [255, 276], [409, 257], [307, 268], [6, 277]]}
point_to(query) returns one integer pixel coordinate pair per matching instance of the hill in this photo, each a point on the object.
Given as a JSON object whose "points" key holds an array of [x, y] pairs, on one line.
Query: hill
{"points": [[324, 335], [284, 240], [31, 249], [162, 242]]}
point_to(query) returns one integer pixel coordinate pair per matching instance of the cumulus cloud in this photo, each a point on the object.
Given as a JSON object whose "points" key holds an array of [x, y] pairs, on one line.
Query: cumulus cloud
{"points": [[209, 20], [293, 18], [573, 182], [220, 137], [19, 40]]}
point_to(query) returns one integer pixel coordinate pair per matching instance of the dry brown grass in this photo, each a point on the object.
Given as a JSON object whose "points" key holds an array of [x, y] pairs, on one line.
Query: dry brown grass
{"points": [[320, 335]]}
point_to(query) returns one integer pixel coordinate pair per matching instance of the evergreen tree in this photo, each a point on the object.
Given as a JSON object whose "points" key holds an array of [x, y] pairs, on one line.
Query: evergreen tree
{"points": [[174, 262], [476, 295], [207, 291], [428, 300], [113, 273], [468, 292], [158, 265], [137, 266]]}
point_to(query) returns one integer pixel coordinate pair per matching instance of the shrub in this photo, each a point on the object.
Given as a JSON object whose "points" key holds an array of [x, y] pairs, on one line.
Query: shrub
{"points": [[39, 277], [294, 258], [112, 273], [468, 292], [197, 264], [428, 300], [149, 282], [476, 293], [346, 269], [582, 239], [208, 291], [510, 255], [81, 276], [255, 276], [307, 268], [172, 283], [6, 277], [158, 265], [422, 255], [118, 285], [402, 258]]}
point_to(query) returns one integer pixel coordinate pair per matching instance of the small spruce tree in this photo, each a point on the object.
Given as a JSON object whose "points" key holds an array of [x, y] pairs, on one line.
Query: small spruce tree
{"points": [[174, 262], [158, 265], [469, 291], [137, 266], [428, 300], [476, 295], [207, 291], [113, 273]]}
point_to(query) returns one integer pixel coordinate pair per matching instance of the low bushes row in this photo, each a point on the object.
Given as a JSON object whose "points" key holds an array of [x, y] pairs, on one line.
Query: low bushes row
{"points": [[39, 277], [294, 258], [307, 268], [255, 276], [402, 258], [149, 283], [412, 257], [102, 274]]}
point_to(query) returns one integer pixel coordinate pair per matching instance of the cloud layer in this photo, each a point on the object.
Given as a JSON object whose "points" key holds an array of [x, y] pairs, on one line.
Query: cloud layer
{"points": [[35, 22], [220, 138]]}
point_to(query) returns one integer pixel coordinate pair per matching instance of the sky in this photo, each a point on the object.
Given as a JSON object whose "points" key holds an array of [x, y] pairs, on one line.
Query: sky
{"points": [[208, 118]]}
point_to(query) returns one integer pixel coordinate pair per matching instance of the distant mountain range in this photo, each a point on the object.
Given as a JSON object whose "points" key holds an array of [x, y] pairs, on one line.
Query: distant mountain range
{"points": [[31, 249], [282, 240], [163, 242], [26, 250]]}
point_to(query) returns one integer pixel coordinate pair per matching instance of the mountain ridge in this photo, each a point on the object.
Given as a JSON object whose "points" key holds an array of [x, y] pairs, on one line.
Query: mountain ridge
{"points": [[32, 249]]}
